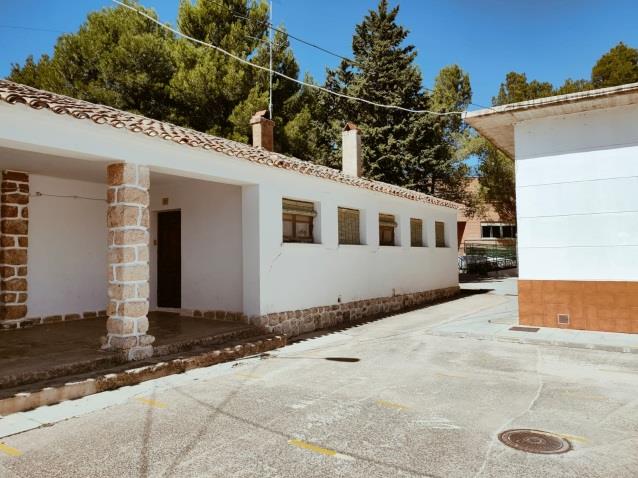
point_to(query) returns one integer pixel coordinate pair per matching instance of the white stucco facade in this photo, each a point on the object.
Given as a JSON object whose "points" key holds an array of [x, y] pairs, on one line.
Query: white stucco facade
{"points": [[67, 246], [297, 276], [211, 240], [577, 195], [233, 256]]}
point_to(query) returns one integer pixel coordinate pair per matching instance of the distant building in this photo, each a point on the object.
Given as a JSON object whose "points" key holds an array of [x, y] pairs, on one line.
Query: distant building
{"points": [[485, 228], [577, 205]]}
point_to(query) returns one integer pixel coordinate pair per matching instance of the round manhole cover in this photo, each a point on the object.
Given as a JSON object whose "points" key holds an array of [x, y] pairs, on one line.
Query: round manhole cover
{"points": [[535, 441]]}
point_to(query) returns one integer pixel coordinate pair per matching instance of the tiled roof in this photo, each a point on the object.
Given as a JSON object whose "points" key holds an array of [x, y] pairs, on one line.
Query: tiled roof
{"points": [[14, 93]]}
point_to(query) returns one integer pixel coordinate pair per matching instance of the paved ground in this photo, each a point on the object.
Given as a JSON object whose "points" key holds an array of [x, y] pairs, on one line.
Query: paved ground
{"points": [[495, 324], [39, 348], [414, 404]]}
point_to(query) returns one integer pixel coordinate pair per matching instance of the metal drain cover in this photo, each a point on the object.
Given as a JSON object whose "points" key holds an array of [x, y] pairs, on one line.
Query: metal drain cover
{"points": [[535, 441]]}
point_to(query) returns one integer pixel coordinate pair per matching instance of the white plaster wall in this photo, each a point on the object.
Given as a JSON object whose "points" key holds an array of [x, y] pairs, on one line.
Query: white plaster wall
{"points": [[276, 276], [211, 242], [577, 196], [67, 247], [298, 276]]}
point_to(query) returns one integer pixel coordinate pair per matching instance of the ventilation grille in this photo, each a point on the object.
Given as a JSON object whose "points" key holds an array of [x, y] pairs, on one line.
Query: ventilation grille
{"points": [[563, 319]]}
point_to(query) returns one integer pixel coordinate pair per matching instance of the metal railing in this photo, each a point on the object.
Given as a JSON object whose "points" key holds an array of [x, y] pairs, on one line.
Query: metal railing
{"points": [[480, 257]]}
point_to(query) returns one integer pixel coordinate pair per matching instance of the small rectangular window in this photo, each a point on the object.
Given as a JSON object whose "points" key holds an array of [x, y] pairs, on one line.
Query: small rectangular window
{"points": [[498, 231], [416, 232], [439, 229], [298, 220], [349, 226], [387, 225]]}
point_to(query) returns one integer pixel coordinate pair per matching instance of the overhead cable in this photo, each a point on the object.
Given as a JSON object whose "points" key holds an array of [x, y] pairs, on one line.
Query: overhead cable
{"points": [[282, 75]]}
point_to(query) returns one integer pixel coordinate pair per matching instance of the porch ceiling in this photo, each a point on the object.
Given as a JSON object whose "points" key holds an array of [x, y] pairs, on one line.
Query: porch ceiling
{"points": [[51, 165], [67, 167]]}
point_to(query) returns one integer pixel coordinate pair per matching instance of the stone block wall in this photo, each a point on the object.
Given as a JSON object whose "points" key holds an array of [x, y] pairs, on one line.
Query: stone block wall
{"points": [[297, 322], [128, 259], [14, 242]]}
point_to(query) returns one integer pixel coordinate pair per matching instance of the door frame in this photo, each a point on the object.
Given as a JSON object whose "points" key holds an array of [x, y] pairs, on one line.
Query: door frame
{"points": [[158, 251]]}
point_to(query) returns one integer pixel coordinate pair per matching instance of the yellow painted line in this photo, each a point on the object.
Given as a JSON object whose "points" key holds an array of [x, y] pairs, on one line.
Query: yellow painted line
{"points": [[585, 396], [575, 438], [318, 449], [248, 376], [451, 375], [386, 404], [9, 450], [151, 403]]}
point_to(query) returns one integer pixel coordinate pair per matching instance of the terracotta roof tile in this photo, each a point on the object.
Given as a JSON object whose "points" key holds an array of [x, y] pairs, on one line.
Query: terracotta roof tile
{"points": [[14, 93]]}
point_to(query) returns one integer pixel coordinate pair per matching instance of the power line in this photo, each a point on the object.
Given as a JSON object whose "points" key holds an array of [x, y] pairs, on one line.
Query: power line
{"points": [[274, 72], [313, 45], [274, 28], [19, 27]]}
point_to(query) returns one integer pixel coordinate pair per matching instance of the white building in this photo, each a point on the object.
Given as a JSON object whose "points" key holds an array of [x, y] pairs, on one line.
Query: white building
{"points": [[286, 244], [577, 205]]}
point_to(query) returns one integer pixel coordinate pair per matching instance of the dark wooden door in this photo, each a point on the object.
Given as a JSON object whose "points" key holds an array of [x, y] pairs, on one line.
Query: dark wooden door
{"points": [[169, 259]]}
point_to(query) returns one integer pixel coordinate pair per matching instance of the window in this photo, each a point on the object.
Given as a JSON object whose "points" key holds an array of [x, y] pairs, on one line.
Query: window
{"points": [[387, 225], [416, 232], [439, 229], [498, 231], [349, 226], [298, 217]]}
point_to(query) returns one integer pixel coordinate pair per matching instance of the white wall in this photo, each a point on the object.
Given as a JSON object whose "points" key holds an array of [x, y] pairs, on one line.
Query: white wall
{"points": [[276, 276], [67, 247], [298, 276], [577, 196], [211, 242]]}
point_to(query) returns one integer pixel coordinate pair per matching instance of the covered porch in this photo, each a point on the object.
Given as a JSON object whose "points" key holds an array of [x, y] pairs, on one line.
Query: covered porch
{"points": [[94, 266]]}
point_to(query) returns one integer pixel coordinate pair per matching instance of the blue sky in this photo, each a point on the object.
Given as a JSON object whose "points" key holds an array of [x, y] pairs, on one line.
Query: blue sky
{"points": [[550, 40]]}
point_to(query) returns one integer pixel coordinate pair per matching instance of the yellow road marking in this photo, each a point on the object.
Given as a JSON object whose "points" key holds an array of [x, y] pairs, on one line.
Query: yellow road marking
{"points": [[450, 375], [248, 375], [311, 447], [386, 404], [151, 403], [9, 450], [575, 438], [586, 396]]}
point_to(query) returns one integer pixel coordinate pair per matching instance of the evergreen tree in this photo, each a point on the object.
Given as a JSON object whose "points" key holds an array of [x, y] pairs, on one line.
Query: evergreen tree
{"points": [[116, 58], [399, 147], [616, 67], [121, 59]]}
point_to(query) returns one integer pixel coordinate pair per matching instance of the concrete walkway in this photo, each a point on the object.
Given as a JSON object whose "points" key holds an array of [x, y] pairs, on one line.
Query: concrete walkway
{"points": [[406, 404], [495, 324]]}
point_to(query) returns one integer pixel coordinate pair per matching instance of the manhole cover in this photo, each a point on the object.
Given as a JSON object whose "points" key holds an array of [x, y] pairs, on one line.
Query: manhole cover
{"points": [[535, 441]]}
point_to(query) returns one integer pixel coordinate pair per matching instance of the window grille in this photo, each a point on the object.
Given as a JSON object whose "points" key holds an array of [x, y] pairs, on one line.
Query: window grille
{"points": [[416, 232], [349, 226], [439, 228]]}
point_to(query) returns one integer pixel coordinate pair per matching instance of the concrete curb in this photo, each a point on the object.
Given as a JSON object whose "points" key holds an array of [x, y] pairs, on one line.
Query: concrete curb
{"points": [[21, 402], [531, 341]]}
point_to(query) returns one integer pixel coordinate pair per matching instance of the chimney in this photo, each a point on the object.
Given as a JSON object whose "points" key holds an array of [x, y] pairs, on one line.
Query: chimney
{"points": [[262, 130], [351, 163]]}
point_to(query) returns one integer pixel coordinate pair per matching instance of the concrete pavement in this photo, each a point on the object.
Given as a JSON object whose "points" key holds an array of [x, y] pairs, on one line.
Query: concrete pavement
{"points": [[413, 404], [495, 324]]}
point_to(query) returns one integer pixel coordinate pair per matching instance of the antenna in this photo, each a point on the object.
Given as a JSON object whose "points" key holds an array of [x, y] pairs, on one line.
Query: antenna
{"points": [[272, 39]]}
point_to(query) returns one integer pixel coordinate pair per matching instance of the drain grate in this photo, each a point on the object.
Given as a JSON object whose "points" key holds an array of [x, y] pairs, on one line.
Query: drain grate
{"points": [[535, 441], [519, 328]]}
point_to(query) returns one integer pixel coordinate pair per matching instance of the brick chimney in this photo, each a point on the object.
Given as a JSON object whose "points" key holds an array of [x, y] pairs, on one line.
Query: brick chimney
{"points": [[262, 130], [351, 163]]}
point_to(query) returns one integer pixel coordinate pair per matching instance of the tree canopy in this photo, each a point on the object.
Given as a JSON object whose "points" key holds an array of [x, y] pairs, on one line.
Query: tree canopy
{"points": [[123, 60], [400, 147]]}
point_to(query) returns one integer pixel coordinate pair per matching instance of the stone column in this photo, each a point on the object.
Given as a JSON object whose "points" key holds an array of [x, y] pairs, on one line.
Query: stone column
{"points": [[128, 222], [14, 241]]}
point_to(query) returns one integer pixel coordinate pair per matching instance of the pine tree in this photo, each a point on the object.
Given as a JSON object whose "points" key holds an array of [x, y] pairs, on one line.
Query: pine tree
{"points": [[121, 59], [399, 147]]}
